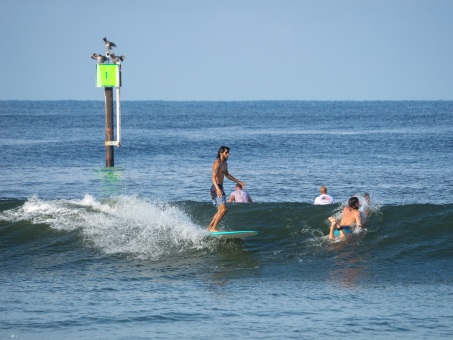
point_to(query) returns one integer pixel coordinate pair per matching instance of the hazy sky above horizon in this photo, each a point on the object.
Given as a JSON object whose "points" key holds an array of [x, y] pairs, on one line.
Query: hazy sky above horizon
{"points": [[230, 50]]}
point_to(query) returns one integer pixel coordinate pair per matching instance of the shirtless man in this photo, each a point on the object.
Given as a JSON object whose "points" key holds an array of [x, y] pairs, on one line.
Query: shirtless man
{"points": [[219, 172], [349, 219]]}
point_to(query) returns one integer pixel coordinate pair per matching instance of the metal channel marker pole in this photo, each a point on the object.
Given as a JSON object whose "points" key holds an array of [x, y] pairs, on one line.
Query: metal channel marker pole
{"points": [[108, 75], [109, 154]]}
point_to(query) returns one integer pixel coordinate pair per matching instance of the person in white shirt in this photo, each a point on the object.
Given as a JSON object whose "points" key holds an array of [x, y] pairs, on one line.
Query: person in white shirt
{"points": [[324, 198], [239, 196]]}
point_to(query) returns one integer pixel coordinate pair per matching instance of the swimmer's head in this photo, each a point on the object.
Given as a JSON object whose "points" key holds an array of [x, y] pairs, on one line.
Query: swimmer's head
{"points": [[353, 202]]}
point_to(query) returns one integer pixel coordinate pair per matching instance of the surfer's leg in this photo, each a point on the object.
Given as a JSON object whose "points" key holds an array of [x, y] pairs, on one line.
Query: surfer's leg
{"points": [[331, 234], [218, 217], [333, 226]]}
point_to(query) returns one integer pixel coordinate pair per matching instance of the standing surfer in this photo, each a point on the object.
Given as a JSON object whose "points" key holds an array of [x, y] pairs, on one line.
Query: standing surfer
{"points": [[219, 172]]}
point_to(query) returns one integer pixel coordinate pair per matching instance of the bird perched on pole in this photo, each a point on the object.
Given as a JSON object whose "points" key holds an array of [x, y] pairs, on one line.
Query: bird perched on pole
{"points": [[108, 44], [99, 57], [116, 59]]}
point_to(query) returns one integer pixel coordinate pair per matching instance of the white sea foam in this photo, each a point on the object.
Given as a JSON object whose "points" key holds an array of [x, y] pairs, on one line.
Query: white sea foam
{"points": [[121, 225]]}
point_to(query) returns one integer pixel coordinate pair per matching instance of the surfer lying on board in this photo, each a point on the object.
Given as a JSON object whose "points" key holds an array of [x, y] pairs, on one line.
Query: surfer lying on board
{"points": [[219, 172], [350, 218]]}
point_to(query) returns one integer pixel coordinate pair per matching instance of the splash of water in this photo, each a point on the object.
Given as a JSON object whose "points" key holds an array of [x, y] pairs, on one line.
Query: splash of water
{"points": [[119, 225]]}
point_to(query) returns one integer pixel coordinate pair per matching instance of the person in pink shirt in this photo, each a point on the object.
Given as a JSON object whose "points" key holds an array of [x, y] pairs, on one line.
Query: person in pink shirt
{"points": [[239, 195]]}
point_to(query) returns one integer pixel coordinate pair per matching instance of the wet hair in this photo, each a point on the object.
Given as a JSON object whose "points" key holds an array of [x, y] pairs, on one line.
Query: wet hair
{"points": [[352, 202], [222, 149]]}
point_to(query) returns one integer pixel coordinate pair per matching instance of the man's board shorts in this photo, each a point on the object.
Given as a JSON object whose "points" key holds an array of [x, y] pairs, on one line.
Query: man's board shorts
{"points": [[216, 200], [346, 230]]}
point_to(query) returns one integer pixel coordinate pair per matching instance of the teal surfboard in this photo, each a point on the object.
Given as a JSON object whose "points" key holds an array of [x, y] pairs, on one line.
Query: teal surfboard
{"points": [[234, 234]]}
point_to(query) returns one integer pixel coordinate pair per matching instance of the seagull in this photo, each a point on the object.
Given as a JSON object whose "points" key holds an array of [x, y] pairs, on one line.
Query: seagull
{"points": [[116, 59], [108, 44], [99, 57]]}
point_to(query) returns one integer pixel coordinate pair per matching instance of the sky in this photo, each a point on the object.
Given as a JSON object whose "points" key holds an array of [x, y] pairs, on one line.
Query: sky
{"points": [[227, 50]]}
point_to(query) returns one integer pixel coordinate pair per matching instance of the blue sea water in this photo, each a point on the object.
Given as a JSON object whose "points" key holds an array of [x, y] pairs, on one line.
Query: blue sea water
{"points": [[95, 252]]}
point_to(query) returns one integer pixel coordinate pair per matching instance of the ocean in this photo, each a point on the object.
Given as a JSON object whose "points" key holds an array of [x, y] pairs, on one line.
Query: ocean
{"points": [[113, 253]]}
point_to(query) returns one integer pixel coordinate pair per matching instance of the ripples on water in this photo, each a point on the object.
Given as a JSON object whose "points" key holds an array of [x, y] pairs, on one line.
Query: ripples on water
{"points": [[284, 151], [141, 266], [123, 252]]}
